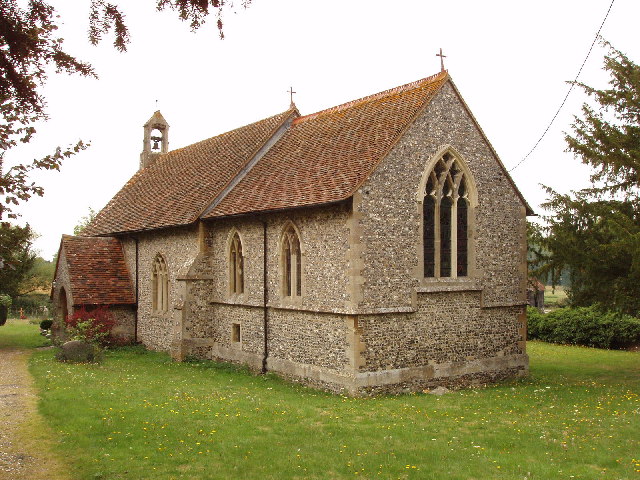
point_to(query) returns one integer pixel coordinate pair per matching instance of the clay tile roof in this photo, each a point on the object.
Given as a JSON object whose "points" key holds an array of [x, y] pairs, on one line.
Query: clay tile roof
{"points": [[97, 271], [325, 157], [182, 183]]}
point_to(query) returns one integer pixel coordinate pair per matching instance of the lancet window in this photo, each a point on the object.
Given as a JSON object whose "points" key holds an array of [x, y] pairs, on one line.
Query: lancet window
{"points": [[160, 285], [291, 264], [236, 265]]}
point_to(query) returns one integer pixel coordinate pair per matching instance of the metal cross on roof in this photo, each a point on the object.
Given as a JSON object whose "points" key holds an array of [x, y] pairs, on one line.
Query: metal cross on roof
{"points": [[442, 57], [291, 92]]}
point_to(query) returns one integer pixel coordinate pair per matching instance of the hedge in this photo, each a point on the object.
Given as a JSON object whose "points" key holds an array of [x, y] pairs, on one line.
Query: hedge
{"points": [[588, 326]]}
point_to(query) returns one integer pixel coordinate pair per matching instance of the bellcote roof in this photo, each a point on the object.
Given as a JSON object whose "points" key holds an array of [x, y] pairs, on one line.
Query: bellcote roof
{"points": [[156, 119]]}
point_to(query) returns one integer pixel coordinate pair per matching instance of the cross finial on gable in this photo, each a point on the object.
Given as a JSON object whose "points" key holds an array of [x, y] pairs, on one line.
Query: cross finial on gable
{"points": [[291, 92], [442, 57]]}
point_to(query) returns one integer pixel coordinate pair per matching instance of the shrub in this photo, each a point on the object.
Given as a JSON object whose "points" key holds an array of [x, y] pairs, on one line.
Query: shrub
{"points": [[5, 300], [588, 326], [5, 303], [46, 324], [92, 326], [534, 320]]}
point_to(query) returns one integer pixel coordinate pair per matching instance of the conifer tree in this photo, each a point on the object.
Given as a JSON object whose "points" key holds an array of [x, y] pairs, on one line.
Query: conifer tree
{"points": [[608, 139], [595, 233]]}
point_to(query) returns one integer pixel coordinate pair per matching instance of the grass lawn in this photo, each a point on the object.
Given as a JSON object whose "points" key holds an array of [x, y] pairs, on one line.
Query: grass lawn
{"points": [[18, 333], [555, 297], [141, 416]]}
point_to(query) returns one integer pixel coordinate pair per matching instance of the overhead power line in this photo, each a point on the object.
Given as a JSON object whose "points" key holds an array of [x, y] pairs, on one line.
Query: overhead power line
{"points": [[568, 92]]}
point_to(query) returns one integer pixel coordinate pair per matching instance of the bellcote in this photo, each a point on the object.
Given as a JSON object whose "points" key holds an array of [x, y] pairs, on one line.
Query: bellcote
{"points": [[156, 140]]}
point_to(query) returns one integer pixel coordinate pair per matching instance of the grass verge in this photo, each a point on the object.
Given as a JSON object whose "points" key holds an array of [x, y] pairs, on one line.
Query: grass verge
{"points": [[18, 333], [141, 416]]}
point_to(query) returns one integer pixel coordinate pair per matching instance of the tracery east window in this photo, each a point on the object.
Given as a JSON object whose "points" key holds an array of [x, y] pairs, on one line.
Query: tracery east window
{"points": [[445, 220], [159, 285], [236, 265], [291, 264]]}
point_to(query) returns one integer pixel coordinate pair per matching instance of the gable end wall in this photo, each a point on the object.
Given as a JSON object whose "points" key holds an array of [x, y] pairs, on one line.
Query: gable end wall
{"points": [[452, 332], [62, 280], [390, 217]]}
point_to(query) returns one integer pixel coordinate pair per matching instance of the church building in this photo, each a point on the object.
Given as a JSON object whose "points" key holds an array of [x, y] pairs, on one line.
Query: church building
{"points": [[376, 246]]}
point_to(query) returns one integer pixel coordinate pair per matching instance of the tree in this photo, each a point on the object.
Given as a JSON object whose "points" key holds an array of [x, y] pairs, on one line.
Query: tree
{"points": [[17, 258], [595, 232], [38, 278], [608, 139], [84, 221], [28, 47], [28, 44], [105, 15]]}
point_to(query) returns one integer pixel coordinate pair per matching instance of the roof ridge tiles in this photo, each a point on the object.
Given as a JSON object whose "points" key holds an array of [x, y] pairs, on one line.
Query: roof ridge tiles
{"points": [[263, 149], [325, 157], [375, 96], [228, 132]]}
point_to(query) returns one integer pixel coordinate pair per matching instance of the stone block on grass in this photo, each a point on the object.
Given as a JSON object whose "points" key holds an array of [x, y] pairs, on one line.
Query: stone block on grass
{"points": [[77, 351]]}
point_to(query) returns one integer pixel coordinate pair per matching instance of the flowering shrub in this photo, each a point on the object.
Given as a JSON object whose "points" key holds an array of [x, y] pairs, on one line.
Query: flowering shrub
{"points": [[92, 326]]}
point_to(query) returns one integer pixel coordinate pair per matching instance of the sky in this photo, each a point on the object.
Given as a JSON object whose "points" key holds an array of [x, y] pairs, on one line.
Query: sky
{"points": [[510, 60]]}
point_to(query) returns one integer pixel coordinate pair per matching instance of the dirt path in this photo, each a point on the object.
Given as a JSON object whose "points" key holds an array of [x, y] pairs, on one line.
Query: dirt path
{"points": [[25, 442]]}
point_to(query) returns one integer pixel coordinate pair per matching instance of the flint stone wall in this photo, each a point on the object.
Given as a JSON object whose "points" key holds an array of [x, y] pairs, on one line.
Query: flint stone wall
{"points": [[306, 332], [179, 247], [124, 316], [390, 214], [447, 327], [324, 246]]}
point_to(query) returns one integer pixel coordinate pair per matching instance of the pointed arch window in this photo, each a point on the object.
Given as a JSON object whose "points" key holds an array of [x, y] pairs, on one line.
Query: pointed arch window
{"points": [[236, 265], [291, 264], [160, 285], [63, 307], [445, 220]]}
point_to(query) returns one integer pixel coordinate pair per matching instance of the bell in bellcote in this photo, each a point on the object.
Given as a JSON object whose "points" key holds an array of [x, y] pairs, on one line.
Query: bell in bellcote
{"points": [[156, 143], [155, 140]]}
